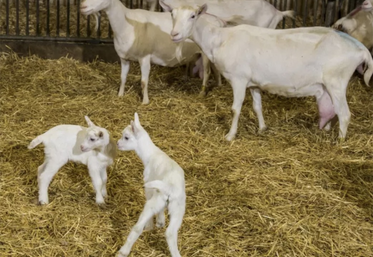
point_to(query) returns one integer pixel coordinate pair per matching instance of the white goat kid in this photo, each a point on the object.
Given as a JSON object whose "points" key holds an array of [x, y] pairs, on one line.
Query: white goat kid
{"points": [[91, 146], [292, 62], [164, 187], [143, 36]]}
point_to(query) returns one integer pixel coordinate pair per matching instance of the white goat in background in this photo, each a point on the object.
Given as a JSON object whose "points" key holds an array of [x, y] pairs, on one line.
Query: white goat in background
{"points": [[144, 36], [298, 62], [91, 146], [164, 187]]}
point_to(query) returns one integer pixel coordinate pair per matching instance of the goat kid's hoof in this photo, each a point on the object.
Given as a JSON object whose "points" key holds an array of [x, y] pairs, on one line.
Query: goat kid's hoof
{"points": [[261, 130], [122, 254], [160, 224], [229, 137], [43, 202], [203, 93], [148, 227]]}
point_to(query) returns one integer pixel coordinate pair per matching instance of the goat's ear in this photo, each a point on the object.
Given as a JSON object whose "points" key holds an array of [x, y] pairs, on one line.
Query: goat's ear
{"points": [[89, 122], [202, 9], [100, 134], [164, 6], [137, 120]]}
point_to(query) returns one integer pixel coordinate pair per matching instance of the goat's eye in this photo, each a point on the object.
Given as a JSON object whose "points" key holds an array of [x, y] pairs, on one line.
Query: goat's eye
{"points": [[92, 139], [126, 138], [193, 16]]}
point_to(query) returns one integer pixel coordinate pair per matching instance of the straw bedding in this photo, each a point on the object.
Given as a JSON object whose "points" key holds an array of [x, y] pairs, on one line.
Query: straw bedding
{"points": [[293, 190]]}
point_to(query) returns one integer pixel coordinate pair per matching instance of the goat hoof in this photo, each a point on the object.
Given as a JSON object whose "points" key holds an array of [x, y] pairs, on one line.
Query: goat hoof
{"points": [[229, 137], [261, 130], [43, 202], [160, 224]]}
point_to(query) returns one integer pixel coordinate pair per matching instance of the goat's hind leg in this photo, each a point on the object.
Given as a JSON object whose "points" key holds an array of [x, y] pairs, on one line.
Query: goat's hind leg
{"points": [[46, 172], [176, 212], [145, 71], [125, 67], [103, 175], [152, 206]]}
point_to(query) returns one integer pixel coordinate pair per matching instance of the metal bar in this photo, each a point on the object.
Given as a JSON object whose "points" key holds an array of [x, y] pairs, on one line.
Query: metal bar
{"points": [[27, 17], [305, 12], [67, 18], [284, 7], [7, 17], [78, 18], [110, 31], [88, 26], [315, 9], [37, 18], [48, 18], [295, 12], [58, 39], [17, 17], [99, 27], [58, 18]]}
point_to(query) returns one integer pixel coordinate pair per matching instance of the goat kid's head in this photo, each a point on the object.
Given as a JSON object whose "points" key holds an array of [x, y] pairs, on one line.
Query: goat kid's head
{"points": [[95, 138], [367, 5], [131, 135], [93, 6], [183, 19]]}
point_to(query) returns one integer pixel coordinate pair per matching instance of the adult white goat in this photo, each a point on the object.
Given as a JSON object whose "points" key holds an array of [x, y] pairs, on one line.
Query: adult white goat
{"points": [[253, 12], [293, 62], [143, 36], [164, 187], [91, 146]]}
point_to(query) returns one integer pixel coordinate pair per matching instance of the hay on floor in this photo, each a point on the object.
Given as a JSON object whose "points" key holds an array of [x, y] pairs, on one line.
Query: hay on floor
{"points": [[293, 190]]}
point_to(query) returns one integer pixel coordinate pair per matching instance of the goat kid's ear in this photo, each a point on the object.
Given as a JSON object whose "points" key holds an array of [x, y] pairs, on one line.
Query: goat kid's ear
{"points": [[89, 122], [202, 9], [137, 120], [165, 7]]}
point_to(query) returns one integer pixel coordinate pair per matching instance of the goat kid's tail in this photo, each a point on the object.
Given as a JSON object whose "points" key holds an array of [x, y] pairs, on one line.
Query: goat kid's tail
{"points": [[369, 71], [36, 141], [289, 14], [159, 185]]}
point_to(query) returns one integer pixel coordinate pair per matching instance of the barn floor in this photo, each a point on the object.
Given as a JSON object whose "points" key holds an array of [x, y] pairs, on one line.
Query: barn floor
{"points": [[293, 190]]}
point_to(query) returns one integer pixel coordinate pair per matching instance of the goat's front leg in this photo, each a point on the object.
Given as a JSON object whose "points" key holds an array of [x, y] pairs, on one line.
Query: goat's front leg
{"points": [[94, 171], [125, 67], [152, 207], [206, 73], [216, 74], [103, 175], [145, 71], [257, 106], [239, 91]]}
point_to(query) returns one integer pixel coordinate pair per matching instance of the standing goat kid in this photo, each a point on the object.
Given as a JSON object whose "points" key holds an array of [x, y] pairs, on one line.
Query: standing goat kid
{"points": [[298, 62], [91, 146], [164, 187], [144, 36]]}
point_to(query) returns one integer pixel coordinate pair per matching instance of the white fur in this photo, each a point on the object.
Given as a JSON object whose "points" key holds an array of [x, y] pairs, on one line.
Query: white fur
{"points": [[143, 36], [164, 187], [91, 146], [293, 62], [359, 24], [257, 13]]}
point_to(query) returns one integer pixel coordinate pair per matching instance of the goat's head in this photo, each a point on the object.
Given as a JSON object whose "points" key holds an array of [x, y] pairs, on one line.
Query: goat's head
{"points": [[93, 6], [183, 19], [96, 137], [130, 135]]}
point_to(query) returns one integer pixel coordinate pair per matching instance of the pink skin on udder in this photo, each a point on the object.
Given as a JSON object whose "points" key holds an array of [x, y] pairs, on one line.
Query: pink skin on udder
{"points": [[326, 109]]}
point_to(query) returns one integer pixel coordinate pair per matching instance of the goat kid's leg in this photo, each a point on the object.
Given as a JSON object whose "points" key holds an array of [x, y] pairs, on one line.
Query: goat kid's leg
{"points": [[176, 212], [160, 219], [152, 207], [257, 106], [206, 74], [239, 91], [145, 71], [103, 175], [148, 195], [46, 173], [125, 67], [94, 172]]}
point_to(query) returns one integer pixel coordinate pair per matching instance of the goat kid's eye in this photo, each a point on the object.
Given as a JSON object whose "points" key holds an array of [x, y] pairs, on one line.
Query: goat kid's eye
{"points": [[92, 139], [193, 16], [126, 138]]}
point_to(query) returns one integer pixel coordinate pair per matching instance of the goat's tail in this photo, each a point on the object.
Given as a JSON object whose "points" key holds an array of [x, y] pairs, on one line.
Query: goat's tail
{"points": [[36, 141], [289, 14], [369, 71], [159, 185]]}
